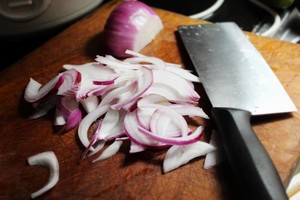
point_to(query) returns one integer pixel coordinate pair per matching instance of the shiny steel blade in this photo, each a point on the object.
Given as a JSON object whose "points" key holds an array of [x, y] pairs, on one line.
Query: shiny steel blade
{"points": [[232, 71]]}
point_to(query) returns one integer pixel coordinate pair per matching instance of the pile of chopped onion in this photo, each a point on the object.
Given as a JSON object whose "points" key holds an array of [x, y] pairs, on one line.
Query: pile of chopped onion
{"points": [[141, 99]]}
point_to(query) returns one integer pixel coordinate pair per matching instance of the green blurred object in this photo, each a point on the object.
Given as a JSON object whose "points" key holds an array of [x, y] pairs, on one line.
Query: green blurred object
{"points": [[279, 3]]}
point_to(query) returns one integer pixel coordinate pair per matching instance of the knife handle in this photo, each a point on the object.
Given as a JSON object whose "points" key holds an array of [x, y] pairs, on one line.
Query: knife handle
{"points": [[247, 156]]}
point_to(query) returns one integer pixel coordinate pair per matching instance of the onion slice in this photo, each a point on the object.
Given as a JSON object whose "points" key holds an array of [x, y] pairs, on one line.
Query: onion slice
{"points": [[42, 108], [143, 83], [213, 158], [46, 159], [87, 121], [68, 111], [71, 84], [35, 92], [133, 132], [180, 155], [294, 187], [110, 151], [192, 138]]}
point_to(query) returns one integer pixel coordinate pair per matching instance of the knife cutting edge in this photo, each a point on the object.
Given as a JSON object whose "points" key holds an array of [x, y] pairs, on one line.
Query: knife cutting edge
{"points": [[239, 84]]}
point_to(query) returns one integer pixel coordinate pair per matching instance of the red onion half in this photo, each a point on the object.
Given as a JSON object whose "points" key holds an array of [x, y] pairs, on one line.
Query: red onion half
{"points": [[132, 25]]}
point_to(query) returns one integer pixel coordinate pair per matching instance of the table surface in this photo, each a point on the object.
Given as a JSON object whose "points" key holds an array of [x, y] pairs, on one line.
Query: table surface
{"points": [[127, 176]]}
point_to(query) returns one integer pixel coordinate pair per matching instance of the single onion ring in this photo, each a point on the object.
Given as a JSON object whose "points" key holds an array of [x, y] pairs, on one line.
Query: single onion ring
{"points": [[46, 159]]}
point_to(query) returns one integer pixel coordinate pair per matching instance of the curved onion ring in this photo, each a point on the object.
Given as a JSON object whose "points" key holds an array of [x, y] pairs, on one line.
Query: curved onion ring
{"points": [[46, 159]]}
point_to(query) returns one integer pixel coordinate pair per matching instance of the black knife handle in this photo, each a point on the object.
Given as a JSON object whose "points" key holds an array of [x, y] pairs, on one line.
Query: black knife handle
{"points": [[247, 156]]}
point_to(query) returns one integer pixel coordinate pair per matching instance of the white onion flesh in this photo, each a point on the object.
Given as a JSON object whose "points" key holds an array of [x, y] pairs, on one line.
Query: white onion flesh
{"points": [[110, 121], [294, 187], [35, 91], [90, 103], [42, 108], [215, 157], [179, 155], [110, 151], [46, 159]]}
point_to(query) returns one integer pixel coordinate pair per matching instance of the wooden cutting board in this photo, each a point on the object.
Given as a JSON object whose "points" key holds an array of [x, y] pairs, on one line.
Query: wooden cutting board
{"points": [[125, 176]]}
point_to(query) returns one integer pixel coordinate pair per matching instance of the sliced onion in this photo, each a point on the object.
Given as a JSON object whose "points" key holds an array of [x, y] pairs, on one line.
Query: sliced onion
{"points": [[144, 82], [110, 121], [117, 131], [156, 63], [213, 158], [183, 88], [183, 92], [42, 108], [136, 148], [90, 103], [135, 135], [97, 148], [59, 119], [105, 82], [189, 110], [174, 140], [94, 139], [160, 64], [46, 159], [185, 74], [132, 25], [35, 92], [86, 123], [143, 117], [115, 64], [71, 84], [180, 155], [90, 73], [161, 123], [110, 151], [294, 187], [141, 99], [182, 124], [68, 111], [118, 94]]}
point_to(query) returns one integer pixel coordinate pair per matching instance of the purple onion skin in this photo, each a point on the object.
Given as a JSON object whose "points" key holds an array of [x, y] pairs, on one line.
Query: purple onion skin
{"points": [[121, 29]]}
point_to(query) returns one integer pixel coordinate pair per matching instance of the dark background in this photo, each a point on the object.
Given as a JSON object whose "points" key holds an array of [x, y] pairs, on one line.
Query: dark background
{"points": [[245, 14]]}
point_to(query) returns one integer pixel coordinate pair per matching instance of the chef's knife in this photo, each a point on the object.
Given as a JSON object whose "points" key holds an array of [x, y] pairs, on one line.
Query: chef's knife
{"points": [[239, 83]]}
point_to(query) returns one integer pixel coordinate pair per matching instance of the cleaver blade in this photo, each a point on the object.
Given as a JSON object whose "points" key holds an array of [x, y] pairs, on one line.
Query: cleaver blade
{"points": [[239, 84]]}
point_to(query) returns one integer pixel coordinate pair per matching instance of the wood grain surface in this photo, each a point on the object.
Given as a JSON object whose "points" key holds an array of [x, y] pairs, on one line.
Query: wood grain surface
{"points": [[124, 176]]}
